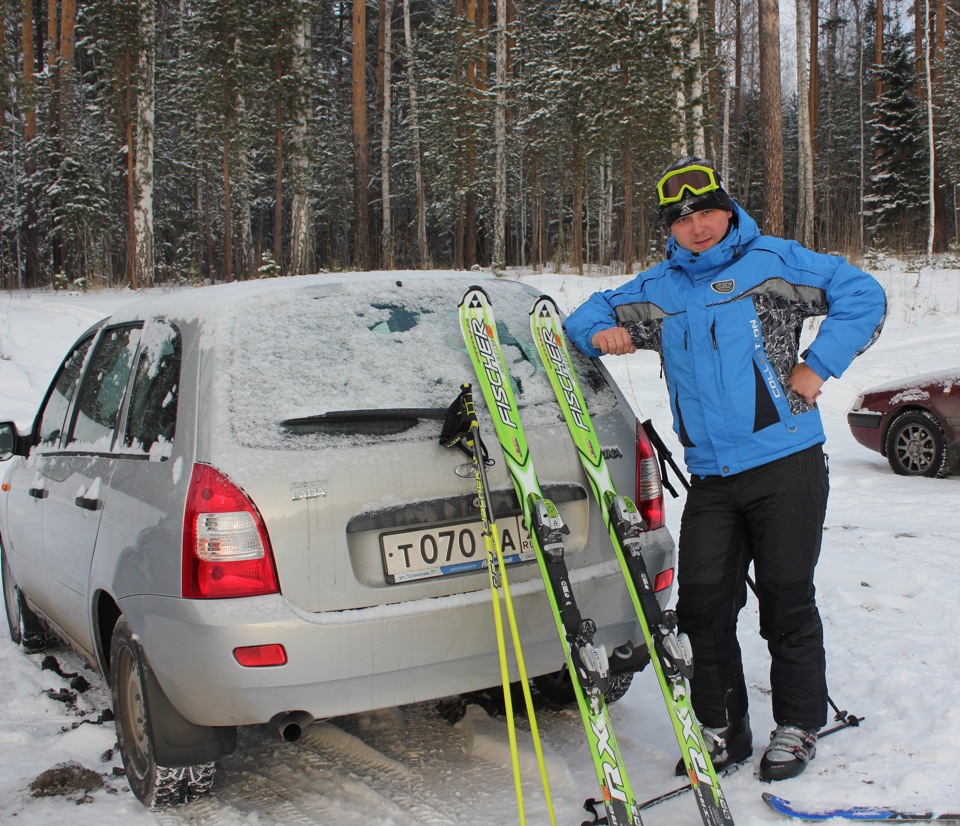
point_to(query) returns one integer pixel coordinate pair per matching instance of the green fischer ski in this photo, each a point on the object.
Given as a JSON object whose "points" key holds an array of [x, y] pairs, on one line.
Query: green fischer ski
{"points": [[672, 662], [586, 662]]}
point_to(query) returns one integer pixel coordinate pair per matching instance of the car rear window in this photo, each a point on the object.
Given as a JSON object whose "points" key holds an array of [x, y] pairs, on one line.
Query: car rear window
{"points": [[375, 359]]}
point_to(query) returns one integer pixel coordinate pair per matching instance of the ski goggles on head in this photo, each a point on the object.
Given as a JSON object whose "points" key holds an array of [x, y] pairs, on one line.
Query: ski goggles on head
{"points": [[695, 179]]}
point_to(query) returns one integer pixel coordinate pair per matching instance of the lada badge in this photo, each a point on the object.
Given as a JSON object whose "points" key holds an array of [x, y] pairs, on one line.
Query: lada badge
{"points": [[306, 490]]}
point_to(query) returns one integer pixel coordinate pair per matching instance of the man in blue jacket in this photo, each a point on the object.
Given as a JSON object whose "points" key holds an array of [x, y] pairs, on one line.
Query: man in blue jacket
{"points": [[725, 311]]}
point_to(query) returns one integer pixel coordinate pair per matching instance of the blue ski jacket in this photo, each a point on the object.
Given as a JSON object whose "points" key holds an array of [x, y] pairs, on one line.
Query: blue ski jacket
{"points": [[727, 325]]}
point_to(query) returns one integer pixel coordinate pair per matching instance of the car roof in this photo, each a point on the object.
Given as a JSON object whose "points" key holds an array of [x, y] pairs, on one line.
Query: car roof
{"points": [[939, 377], [209, 302]]}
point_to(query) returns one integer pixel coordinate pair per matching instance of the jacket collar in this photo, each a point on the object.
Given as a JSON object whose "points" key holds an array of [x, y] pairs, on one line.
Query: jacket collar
{"points": [[707, 265]]}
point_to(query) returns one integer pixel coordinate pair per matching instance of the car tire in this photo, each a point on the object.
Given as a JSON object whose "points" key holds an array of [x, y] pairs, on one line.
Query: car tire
{"points": [[916, 445], [154, 785], [24, 626], [557, 689]]}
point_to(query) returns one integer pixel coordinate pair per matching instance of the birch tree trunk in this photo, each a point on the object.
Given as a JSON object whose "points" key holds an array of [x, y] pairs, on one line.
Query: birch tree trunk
{"points": [[278, 71], [143, 169], [414, 119], [300, 221], [679, 142], [500, 140], [386, 239], [628, 253], [130, 179], [771, 116], [814, 73], [473, 83], [606, 213], [696, 84]]}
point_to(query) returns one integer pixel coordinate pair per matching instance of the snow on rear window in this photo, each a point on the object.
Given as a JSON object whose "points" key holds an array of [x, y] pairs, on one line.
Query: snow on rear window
{"points": [[373, 345]]}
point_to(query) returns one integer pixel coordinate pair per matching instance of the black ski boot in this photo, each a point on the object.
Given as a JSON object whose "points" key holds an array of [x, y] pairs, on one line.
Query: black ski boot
{"points": [[726, 746], [790, 749]]}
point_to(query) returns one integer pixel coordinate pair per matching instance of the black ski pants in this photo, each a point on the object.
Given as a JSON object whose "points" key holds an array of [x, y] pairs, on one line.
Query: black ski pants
{"points": [[772, 515]]}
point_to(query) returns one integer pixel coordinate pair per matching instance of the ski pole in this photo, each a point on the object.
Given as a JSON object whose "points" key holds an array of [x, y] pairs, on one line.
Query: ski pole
{"points": [[462, 420]]}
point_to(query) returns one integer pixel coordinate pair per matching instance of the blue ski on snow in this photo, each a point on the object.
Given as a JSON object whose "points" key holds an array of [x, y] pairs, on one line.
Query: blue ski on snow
{"points": [[863, 814]]}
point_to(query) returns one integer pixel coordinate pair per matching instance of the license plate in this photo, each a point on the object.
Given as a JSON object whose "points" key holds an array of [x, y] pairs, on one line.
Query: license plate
{"points": [[450, 549]]}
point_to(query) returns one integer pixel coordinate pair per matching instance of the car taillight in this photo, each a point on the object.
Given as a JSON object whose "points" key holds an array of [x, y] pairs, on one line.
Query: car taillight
{"points": [[226, 550], [649, 493]]}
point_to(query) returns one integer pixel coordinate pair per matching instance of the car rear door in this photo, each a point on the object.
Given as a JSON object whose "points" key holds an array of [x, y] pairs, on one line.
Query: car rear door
{"points": [[77, 478]]}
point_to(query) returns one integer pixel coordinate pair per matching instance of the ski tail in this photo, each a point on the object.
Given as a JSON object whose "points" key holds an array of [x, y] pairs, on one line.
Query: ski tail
{"points": [[672, 663], [585, 660]]}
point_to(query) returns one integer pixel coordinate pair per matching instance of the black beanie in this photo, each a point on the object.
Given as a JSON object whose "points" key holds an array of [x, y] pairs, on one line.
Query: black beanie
{"points": [[717, 199]]}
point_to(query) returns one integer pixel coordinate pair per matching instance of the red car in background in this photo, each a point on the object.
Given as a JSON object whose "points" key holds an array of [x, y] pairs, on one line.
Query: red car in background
{"points": [[914, 422]]}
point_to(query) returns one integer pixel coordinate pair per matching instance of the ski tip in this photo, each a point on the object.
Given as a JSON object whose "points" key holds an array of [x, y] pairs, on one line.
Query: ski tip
{"points": [[779, 804], [474, 296], [538, 307]]}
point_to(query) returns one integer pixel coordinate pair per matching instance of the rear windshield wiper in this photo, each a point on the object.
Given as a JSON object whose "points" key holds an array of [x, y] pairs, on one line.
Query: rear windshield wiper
{"points": [[372, 422]]}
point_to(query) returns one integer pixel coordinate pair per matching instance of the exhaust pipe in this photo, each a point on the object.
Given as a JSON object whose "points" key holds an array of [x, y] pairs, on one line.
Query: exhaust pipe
{"points": [[292, 724]]}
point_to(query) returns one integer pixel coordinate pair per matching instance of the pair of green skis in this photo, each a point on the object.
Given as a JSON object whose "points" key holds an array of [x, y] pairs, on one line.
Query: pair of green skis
{"points": [[587, 662]]}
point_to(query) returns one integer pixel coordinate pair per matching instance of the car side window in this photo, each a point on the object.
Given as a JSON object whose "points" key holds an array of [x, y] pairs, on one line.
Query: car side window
{"points": [[54, 415], [102, 389], [152, 417]]}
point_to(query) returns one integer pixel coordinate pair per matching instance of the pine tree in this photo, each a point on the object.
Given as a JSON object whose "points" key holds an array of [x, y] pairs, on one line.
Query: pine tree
{"points": [[896, 202]]}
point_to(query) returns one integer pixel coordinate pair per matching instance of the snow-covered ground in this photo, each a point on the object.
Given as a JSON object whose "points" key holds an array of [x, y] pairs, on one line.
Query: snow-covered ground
{"points": [[887, 588]]}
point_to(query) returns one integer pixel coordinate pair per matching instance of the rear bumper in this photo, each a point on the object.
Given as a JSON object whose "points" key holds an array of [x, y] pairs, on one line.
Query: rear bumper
{"points": [[351, 661]]}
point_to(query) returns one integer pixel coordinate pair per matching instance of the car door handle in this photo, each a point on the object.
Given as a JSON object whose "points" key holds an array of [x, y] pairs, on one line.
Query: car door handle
{"points": [[89, 498], [38, 493]]}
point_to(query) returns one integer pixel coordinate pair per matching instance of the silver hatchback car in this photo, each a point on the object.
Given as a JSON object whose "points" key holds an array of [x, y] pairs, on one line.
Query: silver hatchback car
{"points": [[235, 504]]}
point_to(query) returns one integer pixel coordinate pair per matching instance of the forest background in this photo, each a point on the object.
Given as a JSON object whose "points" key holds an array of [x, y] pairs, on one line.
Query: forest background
{"points": [[154, 141]]}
